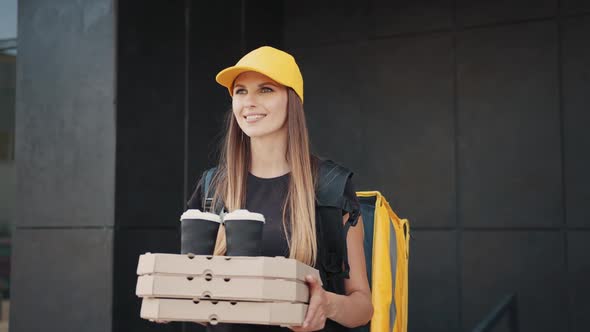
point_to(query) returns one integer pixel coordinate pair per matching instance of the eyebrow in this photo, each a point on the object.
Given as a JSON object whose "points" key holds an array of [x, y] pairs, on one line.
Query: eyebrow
{"points": [[259, 85]]}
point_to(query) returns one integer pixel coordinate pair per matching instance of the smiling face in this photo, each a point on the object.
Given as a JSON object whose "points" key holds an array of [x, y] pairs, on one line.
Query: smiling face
{"points": [[259, 105]]}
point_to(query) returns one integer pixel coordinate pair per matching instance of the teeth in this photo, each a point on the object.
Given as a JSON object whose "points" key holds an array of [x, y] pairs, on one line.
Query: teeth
{"points": [[255, 117]]}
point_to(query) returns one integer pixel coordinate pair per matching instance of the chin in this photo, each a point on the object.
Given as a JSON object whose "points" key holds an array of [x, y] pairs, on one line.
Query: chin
{"points": [[255, 134], [259, 132]]}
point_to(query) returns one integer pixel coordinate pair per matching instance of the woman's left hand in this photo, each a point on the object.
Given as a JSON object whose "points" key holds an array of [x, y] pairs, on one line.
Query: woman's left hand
{"points": [[318, 309]]}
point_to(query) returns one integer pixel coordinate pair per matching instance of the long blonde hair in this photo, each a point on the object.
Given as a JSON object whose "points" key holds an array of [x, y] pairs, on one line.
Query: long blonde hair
{"points": [[229, 182]]}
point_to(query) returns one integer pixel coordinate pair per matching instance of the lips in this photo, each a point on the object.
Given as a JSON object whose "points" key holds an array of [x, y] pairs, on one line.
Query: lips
{"points": [[251, 118]]}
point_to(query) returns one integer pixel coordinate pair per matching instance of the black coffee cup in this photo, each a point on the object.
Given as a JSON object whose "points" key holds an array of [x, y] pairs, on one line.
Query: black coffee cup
{"points": [[243, 233], [198, 232]]}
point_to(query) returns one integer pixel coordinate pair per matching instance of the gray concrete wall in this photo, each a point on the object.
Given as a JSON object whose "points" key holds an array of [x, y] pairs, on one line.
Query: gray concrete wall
{"points": [[62, 253]]}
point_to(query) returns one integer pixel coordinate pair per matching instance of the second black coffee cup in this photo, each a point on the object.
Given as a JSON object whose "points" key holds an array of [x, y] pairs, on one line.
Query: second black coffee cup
{"points": [[243, 231]]}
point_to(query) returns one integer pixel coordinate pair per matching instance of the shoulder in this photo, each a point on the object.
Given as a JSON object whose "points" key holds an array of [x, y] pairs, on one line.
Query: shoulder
{"points": [[206, 178], [208, 173], [201, 187], [331, 183], [330, 169], [336, 190]]}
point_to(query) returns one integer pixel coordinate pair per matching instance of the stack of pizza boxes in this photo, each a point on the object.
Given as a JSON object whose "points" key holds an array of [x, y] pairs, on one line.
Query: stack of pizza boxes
{"points": [[223, 289]]}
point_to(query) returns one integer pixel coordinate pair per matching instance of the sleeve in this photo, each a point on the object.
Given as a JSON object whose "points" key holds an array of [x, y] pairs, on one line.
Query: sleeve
{"points": [[350, 203]]}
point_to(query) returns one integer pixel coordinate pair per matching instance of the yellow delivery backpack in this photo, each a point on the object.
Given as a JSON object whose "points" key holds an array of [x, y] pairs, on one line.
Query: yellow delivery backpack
{"points": [[386, 246]]}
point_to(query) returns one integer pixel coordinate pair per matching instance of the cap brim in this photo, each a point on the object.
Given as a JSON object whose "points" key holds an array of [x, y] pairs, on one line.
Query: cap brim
{"points": [[227, 76]]}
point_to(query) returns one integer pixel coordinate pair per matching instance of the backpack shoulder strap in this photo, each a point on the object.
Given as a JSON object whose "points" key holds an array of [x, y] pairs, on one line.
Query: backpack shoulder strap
{"points": [[330, 194], [207, 194], [331, 182]]}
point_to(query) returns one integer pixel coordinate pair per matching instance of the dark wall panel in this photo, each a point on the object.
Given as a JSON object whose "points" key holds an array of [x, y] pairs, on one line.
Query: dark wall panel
{"points": [[384, 108], [126, 305], [61, 280], [332, 104], [263, 24], [434, 302], [213, 45], [575, 6], [390, 17], [509, 127], [150, 112], [576, 102], [579, 274], [478, 12], [408, 140], [65, 114], [310, 23], [530, 263]]}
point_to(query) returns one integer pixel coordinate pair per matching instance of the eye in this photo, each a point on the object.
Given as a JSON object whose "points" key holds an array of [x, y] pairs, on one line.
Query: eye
{"points": [[240, 91], [266, 89]]}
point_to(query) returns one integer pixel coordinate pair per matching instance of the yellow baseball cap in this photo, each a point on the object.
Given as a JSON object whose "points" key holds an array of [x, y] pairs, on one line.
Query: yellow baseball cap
{"points": [[269, 61]]}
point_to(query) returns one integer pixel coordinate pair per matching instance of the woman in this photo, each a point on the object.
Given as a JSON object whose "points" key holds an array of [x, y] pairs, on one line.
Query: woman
{"points": [[266, 167]]}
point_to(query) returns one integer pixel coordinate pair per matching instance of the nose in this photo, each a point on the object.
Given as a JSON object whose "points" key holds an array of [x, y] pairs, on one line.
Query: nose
{"points": [[250, 100]]}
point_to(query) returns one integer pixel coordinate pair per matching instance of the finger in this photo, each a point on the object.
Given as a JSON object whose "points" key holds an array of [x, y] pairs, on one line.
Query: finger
{"points": [[313, 284], [309, 317], [315, 301], [312, 281], [315, 322], [321, 322]]}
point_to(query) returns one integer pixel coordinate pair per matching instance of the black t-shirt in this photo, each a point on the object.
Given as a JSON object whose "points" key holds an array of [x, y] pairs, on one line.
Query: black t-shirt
{"points": [[267, 196]]}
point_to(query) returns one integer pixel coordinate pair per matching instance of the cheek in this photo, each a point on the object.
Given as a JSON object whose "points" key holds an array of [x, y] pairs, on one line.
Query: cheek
{"points": [[283, 111], [235, 106], [283, 116], [280, 108]]}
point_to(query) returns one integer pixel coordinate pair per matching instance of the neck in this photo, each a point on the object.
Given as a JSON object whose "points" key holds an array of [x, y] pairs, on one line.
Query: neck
{"points": [[269, 155]]}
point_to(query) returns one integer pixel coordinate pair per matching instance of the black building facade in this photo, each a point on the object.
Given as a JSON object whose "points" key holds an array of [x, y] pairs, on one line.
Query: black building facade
{"points": [[469, 116]]}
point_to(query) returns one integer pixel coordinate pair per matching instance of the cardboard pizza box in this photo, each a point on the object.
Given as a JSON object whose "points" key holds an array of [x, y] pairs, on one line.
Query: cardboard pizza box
{"points": [[224, 266], [222, 288], [213, 312]]}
